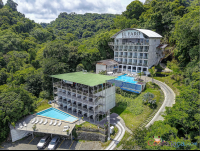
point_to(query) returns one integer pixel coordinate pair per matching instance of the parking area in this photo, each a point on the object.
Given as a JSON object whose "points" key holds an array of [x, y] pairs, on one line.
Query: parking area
{"points": [[30, 143]]}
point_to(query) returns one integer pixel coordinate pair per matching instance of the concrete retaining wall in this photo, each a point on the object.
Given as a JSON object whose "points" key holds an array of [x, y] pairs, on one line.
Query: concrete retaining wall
{"points": [[91, 136], [92, 130]]}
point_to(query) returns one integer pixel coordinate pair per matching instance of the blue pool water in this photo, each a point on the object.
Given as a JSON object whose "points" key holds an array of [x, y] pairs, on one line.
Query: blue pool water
{"points": [[57, 114], [125, 78]]}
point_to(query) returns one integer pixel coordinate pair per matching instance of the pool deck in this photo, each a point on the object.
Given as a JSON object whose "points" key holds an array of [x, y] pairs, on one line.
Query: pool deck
{"points": [[58, 130]]}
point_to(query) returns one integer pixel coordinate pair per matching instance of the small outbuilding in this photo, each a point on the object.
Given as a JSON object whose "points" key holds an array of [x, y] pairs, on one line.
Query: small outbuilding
{"points": [[109, 65]]}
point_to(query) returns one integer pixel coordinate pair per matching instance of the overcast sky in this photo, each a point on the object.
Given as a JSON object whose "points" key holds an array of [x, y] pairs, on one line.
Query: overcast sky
{"points": [[48, 10]]}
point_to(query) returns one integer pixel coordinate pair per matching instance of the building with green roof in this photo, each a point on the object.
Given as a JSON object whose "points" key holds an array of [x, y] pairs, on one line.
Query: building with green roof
{"points": [[83, 94]]}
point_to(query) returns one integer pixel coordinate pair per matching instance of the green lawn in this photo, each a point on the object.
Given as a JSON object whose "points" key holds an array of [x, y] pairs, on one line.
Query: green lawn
{"points": [[42, 106], [132, 120]]}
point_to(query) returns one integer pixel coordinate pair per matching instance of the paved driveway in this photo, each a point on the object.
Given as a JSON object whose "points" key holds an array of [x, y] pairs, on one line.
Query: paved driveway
{"points": [[28, 143]]}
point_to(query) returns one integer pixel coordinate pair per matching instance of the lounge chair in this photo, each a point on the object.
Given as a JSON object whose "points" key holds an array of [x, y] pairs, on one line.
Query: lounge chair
{"points": [[66, 127], [51, 122], [36, 121], [64, 130], [20, 126], [24, 124], [41, 121], [45, 122], [33, 121], [55, 123], [59, 123]]}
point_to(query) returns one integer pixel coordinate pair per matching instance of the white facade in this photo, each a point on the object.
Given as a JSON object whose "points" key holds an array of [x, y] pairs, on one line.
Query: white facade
{"points": [[87, 102], [136, 49]]}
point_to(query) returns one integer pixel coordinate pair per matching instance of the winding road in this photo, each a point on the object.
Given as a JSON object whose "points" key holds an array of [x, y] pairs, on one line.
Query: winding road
{"points": [[168, 102]]}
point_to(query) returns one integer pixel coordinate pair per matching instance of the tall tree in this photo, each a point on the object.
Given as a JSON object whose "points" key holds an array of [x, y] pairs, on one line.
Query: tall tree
{"points": [[134, 10], [1, 4], [12, 5]]}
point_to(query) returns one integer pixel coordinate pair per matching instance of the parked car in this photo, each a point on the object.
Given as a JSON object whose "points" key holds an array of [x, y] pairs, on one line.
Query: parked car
{"points": [[43, 142], [54, 142]]}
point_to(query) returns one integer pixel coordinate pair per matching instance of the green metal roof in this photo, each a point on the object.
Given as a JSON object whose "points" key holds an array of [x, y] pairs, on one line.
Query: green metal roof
{"points": [[89, 79]]}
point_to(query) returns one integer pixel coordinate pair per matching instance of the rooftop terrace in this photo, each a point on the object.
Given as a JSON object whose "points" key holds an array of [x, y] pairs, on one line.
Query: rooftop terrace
{"points": [[89, 79]]}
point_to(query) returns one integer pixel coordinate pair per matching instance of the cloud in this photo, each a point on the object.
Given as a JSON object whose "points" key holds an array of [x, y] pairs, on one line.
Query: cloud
{"points": [[48, 10]]}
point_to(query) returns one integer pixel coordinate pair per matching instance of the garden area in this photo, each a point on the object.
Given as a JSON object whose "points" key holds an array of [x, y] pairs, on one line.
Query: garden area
{"points": [[134, 109]]}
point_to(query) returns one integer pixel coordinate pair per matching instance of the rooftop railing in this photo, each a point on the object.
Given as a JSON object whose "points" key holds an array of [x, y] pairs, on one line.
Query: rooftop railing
{"points": [[129, 44]]}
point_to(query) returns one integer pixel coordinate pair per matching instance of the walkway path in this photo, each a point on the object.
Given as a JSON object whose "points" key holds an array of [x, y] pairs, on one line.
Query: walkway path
{"points": [[168, 102]]}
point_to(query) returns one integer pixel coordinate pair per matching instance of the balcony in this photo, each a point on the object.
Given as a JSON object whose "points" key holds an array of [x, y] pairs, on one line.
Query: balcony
{"points": [[145, 57], [124, 49], [139, 50], [124, 56], [120, 55], [115, 49], [140, 57], [146, 50], [128, 44], [145, 64], [116, 55], [129, 49], [120, 49], [120, 62], [124, 62], [130, 56], [134, 56], [135, 50], [134, 63], [130, 63], [139, 64]]}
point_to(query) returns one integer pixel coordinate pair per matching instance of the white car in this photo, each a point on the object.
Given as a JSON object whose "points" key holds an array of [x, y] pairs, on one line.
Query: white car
{"points": [[54, 142]]}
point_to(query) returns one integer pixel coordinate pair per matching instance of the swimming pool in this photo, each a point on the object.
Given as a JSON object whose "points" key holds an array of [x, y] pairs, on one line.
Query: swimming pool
{"points": [[57, 114], [125, 78]]}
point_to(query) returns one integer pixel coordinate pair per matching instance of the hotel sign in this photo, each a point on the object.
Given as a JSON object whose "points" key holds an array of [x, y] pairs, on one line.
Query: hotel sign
{"points": [[130, 34]]}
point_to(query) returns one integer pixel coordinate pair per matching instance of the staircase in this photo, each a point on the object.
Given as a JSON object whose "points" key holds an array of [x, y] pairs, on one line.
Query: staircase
{"points": [[17, 134]]}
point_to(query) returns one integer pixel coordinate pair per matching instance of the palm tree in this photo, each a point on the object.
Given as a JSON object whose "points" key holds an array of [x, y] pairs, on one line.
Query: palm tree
{"points": [[140, 74], [153, 72]]}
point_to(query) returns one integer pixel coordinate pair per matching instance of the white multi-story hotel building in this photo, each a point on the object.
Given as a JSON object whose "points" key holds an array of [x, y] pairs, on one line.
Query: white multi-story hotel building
{"points": [[136, 50]]}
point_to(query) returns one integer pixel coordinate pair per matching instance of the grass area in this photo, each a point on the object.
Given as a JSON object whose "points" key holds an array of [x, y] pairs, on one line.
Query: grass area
{"points": [[112, 136], [88, 125], [131, 119], [171, 83], [42, 106]]}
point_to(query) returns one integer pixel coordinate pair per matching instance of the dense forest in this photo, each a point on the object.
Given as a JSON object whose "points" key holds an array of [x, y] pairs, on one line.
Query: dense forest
{"points": [[30, 52]]}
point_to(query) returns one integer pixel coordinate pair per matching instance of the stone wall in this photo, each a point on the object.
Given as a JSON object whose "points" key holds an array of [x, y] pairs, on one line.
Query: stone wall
{"points": [[91, 136], [102, 131]]}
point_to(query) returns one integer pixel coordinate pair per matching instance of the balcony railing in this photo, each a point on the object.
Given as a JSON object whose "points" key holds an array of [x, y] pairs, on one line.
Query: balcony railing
{"points": [[145, 57], [134, 63], [129, 56], [129, 49], [120, 62], [139, 64], [116, 55], [124, 62], [128, 44], [120, 55], [134, 49], [145, 64], [139, 57], [124, 49], [139, 50], [146, 50], [124, 56], [134, 56], [130, 63]]}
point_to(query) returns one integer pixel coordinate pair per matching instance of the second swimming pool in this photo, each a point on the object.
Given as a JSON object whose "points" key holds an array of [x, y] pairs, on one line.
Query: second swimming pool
{"points": [[57, 114], [125, 78]]}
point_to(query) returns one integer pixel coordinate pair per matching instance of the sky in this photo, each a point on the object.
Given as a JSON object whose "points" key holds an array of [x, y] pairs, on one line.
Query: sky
{"points": [[48, 10]]}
